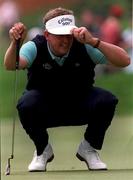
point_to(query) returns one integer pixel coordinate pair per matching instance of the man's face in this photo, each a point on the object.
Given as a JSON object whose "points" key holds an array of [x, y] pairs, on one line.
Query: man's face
{"points": [[59, 44]]}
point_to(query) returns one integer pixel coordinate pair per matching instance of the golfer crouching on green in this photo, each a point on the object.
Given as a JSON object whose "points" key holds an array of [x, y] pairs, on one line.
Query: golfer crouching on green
{"points": [[60, 90]]}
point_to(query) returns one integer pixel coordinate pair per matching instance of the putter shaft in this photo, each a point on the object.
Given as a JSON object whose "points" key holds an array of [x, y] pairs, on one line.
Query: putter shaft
{"points": [[8, 167]]}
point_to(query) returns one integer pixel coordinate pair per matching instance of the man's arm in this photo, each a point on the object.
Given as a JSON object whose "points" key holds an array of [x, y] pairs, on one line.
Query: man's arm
{"points": [[115, 55], [18, 31]]}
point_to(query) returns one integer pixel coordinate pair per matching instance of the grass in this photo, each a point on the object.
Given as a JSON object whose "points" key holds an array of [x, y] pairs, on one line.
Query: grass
{"points": [[8, 87], [117, 152], [121, 85]]}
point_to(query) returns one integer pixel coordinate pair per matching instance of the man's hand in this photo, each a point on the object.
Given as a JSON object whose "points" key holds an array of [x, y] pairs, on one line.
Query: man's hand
{"points": [[84, 36], [18, 31]]}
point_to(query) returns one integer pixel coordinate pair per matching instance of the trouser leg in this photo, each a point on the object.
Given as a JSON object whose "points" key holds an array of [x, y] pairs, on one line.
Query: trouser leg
{"points": [[97, 111], [30, 109], [101, 105]]}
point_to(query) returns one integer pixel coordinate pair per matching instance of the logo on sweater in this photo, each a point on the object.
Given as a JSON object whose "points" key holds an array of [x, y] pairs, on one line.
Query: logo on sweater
{"points": [[47, 66], [77, 64]]}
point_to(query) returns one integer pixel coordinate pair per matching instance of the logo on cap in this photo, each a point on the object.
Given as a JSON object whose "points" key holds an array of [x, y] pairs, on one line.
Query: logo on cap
{"points": [[65, 21], [61, 24]]}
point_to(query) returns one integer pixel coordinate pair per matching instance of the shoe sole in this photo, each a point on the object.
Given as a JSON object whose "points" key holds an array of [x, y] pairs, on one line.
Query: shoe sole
{"points": [[49, 160], [82, 159]]}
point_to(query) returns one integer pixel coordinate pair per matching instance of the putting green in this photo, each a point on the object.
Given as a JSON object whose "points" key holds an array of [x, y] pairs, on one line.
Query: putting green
{"points": [[117, 152]]}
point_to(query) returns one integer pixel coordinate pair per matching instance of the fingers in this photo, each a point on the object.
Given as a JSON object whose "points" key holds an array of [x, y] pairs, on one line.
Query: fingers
{"points": [[82, 35], [79, 34], [17, 31]]}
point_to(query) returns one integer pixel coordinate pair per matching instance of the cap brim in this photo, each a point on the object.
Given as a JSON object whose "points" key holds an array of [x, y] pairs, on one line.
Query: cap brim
{"points": [[62, 30]]}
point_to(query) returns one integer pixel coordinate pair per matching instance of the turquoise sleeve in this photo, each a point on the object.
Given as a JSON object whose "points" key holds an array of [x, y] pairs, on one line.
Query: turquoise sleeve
{"points": [[28, 51], [96, 55]]}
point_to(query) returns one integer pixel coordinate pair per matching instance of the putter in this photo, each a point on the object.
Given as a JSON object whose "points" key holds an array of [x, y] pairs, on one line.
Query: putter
{"points": [[7, 172]]}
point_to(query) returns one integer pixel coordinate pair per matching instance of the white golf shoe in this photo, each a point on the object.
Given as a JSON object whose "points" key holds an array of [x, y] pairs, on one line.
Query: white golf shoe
{"points": [[88, 154], [39, 163]]}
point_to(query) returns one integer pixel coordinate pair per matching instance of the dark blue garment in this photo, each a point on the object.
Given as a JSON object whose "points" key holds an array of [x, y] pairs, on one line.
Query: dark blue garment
{"points": [[72, 79], [64, 96], [96, 110]]}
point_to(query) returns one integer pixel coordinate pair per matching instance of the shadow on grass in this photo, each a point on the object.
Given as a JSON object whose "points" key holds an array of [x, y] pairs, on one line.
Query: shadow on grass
{"points": [[56, 172]]}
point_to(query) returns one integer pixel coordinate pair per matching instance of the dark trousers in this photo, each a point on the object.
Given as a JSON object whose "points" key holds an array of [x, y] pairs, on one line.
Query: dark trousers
{"points": [[37, 113]]}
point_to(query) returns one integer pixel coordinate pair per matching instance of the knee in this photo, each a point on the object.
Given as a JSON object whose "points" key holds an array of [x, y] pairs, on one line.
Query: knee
{"points": [[24, 105], [109, 99], [28, 101]]}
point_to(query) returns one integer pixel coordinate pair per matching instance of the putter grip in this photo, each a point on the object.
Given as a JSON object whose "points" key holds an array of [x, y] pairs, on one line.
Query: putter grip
{"points": [[17, 53]]}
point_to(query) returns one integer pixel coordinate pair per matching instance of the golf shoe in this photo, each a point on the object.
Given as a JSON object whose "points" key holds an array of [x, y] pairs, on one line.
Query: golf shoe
{"points": [[39, 163], [88, 154]]}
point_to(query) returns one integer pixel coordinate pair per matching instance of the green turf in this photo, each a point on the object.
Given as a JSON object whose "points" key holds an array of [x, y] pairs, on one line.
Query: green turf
{"points": [[117, 152], [117, 83]]}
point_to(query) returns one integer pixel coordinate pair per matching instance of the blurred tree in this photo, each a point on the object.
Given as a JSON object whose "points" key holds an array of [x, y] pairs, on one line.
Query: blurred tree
{"points": [[102, 6]]}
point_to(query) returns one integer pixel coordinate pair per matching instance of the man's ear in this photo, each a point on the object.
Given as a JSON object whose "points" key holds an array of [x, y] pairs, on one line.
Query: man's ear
{"points": [[46, 33]]}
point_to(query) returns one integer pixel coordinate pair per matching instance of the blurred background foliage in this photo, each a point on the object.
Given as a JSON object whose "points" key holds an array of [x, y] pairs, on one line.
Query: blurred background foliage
{"points": [[31, 13], [32, 16]]}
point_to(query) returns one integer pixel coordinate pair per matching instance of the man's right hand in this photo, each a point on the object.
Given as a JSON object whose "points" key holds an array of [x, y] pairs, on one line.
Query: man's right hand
{"points": [[18, 31]]}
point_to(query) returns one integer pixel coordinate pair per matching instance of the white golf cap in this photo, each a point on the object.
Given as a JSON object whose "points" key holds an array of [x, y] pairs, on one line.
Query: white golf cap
{"points": [[61, 25]]}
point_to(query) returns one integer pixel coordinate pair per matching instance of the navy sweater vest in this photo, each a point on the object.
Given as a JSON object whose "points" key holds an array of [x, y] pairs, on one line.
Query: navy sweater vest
{"points": [[72, 79]]}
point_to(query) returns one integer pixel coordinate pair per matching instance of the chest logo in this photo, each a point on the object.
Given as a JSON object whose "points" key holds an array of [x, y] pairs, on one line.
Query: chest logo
{"points": [[77, 64], [47, 66]]}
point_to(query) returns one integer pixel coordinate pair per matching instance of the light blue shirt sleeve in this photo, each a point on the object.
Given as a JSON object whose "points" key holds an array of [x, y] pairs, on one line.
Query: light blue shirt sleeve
{"points": [[29, 52], [96, 55]]}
